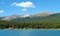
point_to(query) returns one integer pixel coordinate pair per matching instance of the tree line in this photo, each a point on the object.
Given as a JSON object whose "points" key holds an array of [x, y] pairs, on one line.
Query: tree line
{"points": [[31, 25]]}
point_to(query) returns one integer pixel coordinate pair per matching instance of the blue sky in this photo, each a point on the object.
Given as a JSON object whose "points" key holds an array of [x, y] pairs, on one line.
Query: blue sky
{"points": [[21, 7]]}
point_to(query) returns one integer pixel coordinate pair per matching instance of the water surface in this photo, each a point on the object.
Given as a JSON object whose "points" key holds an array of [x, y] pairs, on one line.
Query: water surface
{"points": [[29, 32]]}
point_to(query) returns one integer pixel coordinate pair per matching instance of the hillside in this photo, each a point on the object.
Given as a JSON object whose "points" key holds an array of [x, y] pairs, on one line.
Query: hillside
{"points": [[50, 18], [46, 18]]}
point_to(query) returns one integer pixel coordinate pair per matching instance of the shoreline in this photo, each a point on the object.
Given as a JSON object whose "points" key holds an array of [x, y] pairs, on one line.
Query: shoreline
{"points": [[29, 29]]}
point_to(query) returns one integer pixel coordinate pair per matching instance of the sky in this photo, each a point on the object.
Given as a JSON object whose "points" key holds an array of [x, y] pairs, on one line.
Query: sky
{"points": [[21, 7]]}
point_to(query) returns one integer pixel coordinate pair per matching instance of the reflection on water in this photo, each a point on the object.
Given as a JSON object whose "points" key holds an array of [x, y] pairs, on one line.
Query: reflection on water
{"points": [[29, 32]]}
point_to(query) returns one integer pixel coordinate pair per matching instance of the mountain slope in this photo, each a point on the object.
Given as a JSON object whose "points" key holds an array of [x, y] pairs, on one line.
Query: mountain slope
{"points": [[44, 14], [49, 18], [9, 18]]}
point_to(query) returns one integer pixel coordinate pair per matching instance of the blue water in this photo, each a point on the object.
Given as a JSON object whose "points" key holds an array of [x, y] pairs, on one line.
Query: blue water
{"points": [[29, 32]]}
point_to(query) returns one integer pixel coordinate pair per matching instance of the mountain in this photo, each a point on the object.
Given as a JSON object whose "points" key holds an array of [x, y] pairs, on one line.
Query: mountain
{"points": [[49, 18], [41, 17], [13, 17], [44, 14]]}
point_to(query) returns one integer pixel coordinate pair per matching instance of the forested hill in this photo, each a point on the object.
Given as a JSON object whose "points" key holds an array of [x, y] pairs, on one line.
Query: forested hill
{"points": [[36, 22]]}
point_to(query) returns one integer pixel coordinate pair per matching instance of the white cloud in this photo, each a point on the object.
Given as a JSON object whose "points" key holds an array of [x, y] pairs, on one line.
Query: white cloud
{"points": [[1, 11], [24, 5]]}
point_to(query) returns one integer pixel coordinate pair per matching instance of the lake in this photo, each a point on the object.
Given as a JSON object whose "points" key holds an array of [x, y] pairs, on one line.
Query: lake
{"points": [[29, 32]]}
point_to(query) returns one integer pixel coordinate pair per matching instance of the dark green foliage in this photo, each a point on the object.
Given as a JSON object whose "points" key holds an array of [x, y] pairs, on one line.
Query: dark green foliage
{"points": [[32, 25]]}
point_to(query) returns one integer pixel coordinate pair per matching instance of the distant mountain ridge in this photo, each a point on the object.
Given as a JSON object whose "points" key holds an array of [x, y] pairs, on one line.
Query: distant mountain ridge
{"points": [[37, 17], [44, 13], [13, 17]]}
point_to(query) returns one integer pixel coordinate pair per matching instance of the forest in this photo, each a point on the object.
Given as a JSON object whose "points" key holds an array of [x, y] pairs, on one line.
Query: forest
{"points": [[29, 25]]}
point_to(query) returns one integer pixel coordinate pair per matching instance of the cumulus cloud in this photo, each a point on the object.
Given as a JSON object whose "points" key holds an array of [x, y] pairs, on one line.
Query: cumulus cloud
{"points": [[1, 11], [24, 5]]}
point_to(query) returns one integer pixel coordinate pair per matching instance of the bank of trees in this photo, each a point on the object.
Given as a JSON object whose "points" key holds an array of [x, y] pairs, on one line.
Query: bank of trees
{"points": [[27, 25]]}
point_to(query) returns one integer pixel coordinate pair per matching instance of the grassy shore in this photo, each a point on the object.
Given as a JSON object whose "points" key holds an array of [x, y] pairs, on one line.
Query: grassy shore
{"points": [[28, 29]]}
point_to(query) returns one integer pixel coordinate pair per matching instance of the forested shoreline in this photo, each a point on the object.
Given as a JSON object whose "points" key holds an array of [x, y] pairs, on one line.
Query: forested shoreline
{"points": [[27, 25]]}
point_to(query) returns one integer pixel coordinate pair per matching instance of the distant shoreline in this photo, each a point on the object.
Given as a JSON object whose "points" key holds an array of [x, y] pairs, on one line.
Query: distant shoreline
{"points": [[29, 29]]}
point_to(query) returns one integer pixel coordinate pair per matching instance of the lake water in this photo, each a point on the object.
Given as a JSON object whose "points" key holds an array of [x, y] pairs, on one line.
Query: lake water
{"points": [[29, 32]]}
